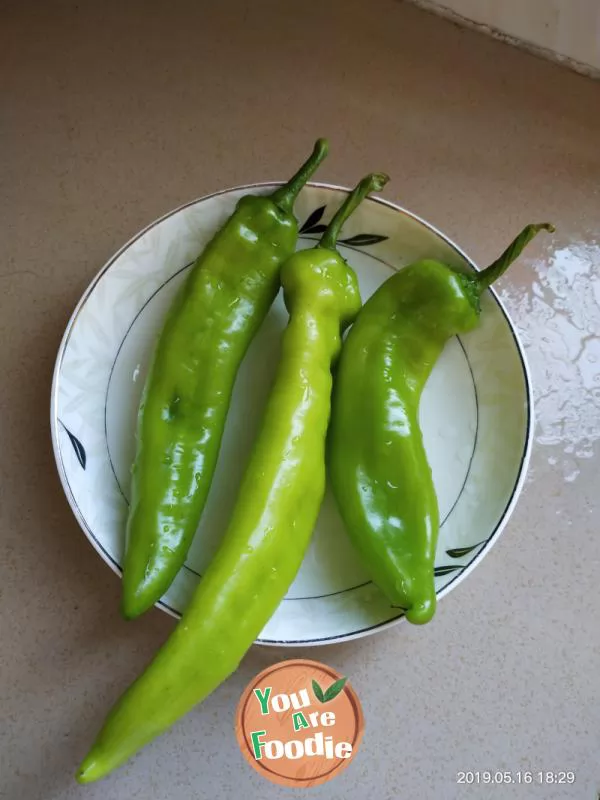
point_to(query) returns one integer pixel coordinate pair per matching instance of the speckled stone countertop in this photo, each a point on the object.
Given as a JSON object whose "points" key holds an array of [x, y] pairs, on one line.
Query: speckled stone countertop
{"points": [[114, 113]]}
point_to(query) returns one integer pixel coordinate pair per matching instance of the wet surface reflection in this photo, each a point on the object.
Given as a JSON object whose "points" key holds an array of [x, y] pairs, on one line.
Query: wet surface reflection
{"points": [[558, 318]]}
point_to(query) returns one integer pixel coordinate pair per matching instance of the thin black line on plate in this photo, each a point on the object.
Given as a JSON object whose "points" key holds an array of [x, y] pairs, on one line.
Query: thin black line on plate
{"points": [[360, 250], [308, 597], [454, 504], [112, 369], [330, 594], [488, 542], [387, 204], [101, 547], [462, 488]]}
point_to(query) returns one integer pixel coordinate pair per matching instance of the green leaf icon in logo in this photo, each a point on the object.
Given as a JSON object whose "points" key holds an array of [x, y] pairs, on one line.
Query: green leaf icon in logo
{"points": [[332, 692], [318, 691], [335, 689]]}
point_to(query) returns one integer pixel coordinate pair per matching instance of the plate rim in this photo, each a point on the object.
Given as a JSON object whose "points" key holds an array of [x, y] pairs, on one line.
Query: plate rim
{"points": [[525, 456]]}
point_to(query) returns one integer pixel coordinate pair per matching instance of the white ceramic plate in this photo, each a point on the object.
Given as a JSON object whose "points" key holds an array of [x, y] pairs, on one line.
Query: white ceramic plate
{"points": [[475, 412]]}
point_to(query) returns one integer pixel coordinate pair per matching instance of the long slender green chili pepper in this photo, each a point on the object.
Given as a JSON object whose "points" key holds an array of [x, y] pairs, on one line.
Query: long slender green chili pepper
{"points": [[273, 518], [378, 465], [187, 394]]}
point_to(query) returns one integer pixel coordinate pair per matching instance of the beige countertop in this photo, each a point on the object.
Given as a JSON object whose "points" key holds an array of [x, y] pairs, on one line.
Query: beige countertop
{"points": [[114, 113]]}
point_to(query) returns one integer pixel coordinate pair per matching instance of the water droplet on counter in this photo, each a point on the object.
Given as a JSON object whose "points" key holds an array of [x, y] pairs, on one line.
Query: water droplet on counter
{"points": [[537, 290], [558, 317], [585, 449], [570, 470]]}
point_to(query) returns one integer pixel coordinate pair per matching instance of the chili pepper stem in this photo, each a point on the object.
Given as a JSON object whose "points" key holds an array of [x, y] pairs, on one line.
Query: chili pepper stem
{"points": [[485, 278], [286, 195], [371, 183]]}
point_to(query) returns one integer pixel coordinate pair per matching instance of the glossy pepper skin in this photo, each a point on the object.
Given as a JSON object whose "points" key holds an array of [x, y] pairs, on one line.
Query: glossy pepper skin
{"points": [[273, 518], [377, 462], [188, 390]]}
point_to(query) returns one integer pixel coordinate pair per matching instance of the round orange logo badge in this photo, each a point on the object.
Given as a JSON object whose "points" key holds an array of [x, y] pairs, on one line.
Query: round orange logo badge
{"points": [[299, 723]]}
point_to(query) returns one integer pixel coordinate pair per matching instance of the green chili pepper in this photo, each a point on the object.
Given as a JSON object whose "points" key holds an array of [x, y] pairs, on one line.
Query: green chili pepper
{"points": [[273, 518], [187, 394], [378, 466]]}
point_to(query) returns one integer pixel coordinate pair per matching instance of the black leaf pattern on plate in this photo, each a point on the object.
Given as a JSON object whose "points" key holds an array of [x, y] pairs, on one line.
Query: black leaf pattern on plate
{"points": [[459, 552], [77, 446], [313, 224], [312, 220], [363, 239], [316, 229], [445, 570]]}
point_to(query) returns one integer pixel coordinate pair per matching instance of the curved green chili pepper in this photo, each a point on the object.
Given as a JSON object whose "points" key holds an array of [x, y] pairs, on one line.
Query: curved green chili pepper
{"points": [[273, 517], [378, 465], [187, 394]]}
